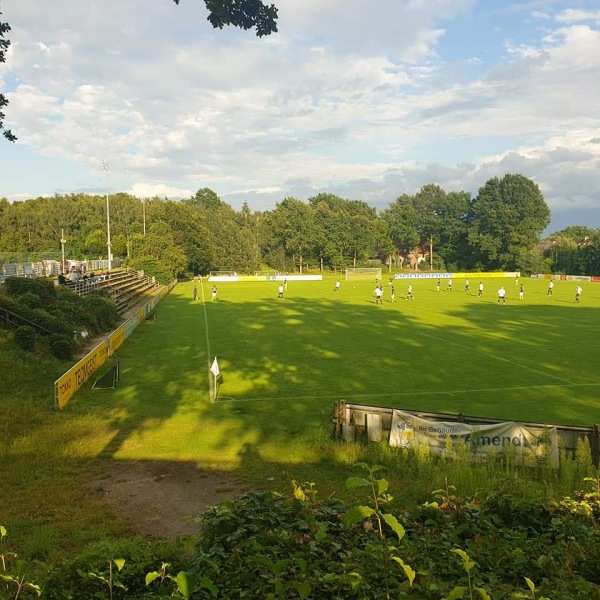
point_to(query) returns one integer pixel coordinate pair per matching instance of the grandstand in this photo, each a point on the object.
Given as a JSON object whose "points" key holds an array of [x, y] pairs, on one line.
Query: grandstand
{"points": [[126, 287]]}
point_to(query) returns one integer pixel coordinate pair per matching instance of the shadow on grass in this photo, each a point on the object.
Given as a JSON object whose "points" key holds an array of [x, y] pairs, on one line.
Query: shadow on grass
{"points": [[285, 364]]}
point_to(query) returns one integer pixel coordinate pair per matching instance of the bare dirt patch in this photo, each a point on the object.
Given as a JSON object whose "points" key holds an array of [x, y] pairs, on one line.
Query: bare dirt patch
{"points": [[157, 497]]}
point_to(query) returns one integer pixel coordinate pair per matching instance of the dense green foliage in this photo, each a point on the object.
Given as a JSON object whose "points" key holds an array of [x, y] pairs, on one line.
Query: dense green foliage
{"points": [[245, 14], [496, 230], [61, 348], [43, 289], [70, 579], [505, 221], [574, 250], [279, 545], [308, 547], [25, 337], [57, 311]]}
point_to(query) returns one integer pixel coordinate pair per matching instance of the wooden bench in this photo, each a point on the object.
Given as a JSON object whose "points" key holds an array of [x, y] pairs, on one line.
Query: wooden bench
{"points": [[125, 287], [136, 296]]}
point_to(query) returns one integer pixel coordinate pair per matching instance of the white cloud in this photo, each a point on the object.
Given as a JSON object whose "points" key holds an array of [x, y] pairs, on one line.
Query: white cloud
{"points": [[354, 95], [265, 190], [571, 15], [538, 14], [147, 190]]}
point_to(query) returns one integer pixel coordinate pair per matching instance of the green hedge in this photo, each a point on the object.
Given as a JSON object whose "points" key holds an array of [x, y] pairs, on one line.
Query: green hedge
{"points": [[45, 289], [25, 337]]}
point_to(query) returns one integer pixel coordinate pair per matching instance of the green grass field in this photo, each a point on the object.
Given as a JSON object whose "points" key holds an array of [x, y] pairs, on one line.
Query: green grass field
{"points": [[446, 351], [284, 363]]}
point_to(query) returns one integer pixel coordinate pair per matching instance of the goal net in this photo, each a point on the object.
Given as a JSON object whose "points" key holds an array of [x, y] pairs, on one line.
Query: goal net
{"points": [[223, 274], [363, 273]]}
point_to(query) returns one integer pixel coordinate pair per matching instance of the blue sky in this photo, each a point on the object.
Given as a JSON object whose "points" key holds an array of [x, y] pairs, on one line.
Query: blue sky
{"points": [[367, 100]]}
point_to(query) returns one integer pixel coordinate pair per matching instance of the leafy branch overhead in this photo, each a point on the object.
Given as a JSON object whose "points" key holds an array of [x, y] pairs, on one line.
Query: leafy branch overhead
{"points": [[244, 14], [4, 44]]}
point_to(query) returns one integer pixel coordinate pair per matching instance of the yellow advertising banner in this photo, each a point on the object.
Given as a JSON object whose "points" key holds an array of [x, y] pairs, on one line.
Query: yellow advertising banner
{"points": [[76, 376], [116, 339]]}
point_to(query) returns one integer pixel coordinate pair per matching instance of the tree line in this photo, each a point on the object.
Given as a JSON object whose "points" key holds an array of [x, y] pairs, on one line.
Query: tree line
{"points": [[499, 229]]}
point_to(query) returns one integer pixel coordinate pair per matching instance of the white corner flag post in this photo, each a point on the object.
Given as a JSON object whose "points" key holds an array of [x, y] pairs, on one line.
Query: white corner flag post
{"points": [[214, 369]]}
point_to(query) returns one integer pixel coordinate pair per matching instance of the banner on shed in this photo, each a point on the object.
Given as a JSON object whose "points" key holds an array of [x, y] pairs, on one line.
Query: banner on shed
{"points": [[532, 443]]}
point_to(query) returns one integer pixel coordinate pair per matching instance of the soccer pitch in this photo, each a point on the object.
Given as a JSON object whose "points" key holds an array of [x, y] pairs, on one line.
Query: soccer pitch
{"points": [[284, 363]]}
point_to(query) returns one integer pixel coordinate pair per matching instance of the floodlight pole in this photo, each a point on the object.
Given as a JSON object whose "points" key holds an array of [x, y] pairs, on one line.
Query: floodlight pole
{"points": [[144, 214], [62, 250], [431, 253], [105, 166]]}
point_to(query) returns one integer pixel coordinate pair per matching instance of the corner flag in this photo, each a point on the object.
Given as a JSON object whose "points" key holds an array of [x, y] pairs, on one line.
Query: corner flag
{"points": [[215, 368]]}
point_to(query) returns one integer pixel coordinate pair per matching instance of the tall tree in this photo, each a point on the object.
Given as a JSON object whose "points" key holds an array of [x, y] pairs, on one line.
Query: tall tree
{"points": [[254, 227], [332, 229], [574, 232], [361, 222], [452, 229], [428, 202], [293, 223], [401, 220], [505, 221], [191, 234], [167, 258], [590, 256], [206, 198]]}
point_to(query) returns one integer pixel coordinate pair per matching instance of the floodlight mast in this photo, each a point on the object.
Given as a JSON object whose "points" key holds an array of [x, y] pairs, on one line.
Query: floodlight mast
{"points": [[62, 248], [105, 166], [431, 253]]}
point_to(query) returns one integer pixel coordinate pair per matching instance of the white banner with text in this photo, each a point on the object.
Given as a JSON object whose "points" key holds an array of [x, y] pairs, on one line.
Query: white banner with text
{"points": [[532, 444]]}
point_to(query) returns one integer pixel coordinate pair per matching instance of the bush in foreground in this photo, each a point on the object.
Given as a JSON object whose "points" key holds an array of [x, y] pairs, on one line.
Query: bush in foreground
{"points": [[280, 546]]}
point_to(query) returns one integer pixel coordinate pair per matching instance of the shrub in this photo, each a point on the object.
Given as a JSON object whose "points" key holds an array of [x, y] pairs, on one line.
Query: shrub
{"points": [[30, 300], [53, 324], [70, 579], [42, 288], [61, 349], [101, 311], [74, 309], [25, 337], [9, 303]]}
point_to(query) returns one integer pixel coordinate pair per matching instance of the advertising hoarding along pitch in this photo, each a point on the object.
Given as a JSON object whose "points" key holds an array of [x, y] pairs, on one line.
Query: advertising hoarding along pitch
{"points": [[77, 375], [532, 444]]}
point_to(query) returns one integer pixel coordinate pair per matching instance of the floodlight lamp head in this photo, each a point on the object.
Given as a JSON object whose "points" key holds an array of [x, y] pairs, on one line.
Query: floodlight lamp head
{"points": [[104, 164]]}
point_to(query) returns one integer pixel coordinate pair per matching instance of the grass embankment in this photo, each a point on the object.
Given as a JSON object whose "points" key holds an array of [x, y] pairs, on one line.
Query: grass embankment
{"points": [[284, 363]]}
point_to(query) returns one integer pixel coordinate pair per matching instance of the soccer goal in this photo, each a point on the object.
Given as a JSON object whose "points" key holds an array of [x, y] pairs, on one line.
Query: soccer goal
{"points": [[223, 274], [363, 273]]}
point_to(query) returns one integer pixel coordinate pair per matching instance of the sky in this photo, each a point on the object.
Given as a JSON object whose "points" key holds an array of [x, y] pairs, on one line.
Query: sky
{"points": [[367, 100]]}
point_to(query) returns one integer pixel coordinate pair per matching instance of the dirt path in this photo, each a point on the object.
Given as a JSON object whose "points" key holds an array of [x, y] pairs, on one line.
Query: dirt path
{"points": [[158, 497]]}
